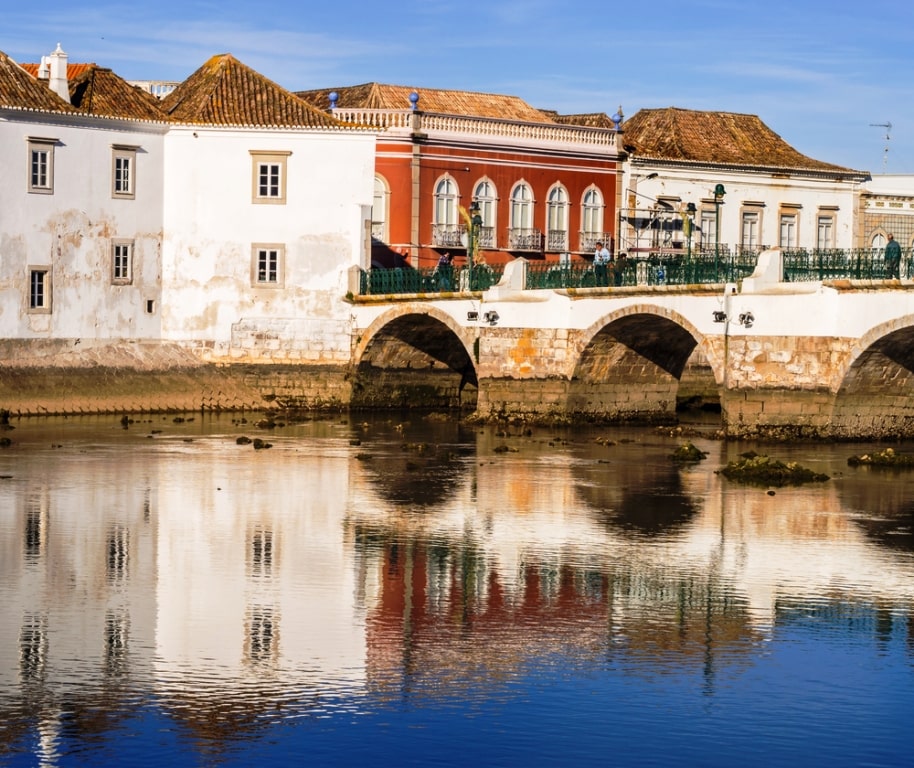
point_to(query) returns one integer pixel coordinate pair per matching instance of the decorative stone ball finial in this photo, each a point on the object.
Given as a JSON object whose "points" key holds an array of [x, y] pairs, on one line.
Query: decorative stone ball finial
{"points": [[414, 100]]}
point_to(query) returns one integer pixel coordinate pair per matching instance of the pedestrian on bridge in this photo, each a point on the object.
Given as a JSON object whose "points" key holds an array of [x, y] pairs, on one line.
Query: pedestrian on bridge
{"points": [[619, 269], [444, 272], [892, 257], [601, 261]]}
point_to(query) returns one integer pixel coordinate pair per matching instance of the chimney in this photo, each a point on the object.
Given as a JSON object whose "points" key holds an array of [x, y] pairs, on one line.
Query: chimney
{"points": [[44, 71], [58, 81]]}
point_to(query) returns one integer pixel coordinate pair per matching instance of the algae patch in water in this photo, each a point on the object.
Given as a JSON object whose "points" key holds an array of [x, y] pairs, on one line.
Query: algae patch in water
{"points": [[754, 469]]}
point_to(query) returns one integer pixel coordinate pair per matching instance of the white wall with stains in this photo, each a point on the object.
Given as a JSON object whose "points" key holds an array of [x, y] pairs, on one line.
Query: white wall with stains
{"points": [[70, 230], [213, 222]]}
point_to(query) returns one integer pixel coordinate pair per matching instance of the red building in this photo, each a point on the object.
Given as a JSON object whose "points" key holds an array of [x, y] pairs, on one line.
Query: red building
{"points": [[544, 184]]}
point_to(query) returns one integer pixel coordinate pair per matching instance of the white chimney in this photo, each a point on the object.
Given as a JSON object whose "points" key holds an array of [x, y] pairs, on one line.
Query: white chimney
{"points": [[44, 71], [58, 81]]}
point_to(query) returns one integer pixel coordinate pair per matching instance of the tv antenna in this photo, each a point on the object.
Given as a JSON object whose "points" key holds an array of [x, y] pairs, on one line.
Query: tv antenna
{"points": [[885, 152]]}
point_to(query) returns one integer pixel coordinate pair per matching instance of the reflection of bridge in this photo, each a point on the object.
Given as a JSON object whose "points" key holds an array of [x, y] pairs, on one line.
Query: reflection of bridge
{"points": [[832, 358]]}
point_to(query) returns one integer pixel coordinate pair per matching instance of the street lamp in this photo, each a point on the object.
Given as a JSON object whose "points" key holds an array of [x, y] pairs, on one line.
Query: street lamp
{"points": [[689, 221], [475, 222], [719, 193]]}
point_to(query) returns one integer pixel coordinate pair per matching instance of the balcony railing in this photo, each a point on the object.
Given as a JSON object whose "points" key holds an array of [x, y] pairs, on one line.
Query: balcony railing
{"points": [[406, 280], [525, 240], [487, 237], [556, 240], [449, 235], [588, 240]]}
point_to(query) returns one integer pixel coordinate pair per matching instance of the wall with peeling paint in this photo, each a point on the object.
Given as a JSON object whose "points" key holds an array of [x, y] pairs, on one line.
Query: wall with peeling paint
{"points": [[70, 231], [209, 298]]}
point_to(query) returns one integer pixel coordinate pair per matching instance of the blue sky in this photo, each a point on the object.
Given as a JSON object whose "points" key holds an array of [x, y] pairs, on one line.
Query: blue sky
{"points": [[823, 75]]}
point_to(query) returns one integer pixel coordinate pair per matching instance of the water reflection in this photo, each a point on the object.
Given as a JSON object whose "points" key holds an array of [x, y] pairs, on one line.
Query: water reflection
{"points": [[233, 589]]}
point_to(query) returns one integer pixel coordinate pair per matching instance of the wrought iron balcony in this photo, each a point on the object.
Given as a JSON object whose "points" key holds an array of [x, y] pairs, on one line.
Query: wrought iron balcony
{"points": [[525, 240], [449, 235], [486, 237], [588, 240], [557, 240]]}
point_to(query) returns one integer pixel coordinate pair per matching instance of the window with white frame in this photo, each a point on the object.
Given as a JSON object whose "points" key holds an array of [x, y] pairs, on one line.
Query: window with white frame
{"points": [[379, 210], [39, 289], [121, 262], [592, 212], [521, 207], [708, 227], [787, 237], [878, 242], [557, 219], [41, 166], [486, 198], [825, 231], [267, 265], [446, 196], [123, 176], [749, 230], [269, 177]]}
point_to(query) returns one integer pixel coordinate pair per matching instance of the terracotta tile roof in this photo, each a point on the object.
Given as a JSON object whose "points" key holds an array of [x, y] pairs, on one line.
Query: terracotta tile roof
{"points": [[226, 92], [470, 103], [73, 70], [588, 120], [20, 90], [98, 91], [723, 138]]}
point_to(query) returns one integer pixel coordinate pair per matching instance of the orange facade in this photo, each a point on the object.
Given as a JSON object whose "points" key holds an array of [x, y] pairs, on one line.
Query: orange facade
{"points": [[413, 168]]}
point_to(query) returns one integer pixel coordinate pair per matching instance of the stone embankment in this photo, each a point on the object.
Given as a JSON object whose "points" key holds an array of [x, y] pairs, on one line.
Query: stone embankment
{"points": [[42, 378]]}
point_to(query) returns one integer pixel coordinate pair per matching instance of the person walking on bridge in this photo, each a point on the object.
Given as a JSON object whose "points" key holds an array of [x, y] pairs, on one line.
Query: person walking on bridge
{"points": [[601, 259], [892, 257]]}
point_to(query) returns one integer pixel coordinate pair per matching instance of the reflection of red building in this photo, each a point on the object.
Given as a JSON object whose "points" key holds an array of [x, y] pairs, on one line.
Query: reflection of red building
{"points": [[545, 185], [443, 617]]}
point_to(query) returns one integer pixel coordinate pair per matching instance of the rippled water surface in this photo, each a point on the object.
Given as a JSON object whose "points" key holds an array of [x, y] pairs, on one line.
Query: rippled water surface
{"points": [[412, 591]]}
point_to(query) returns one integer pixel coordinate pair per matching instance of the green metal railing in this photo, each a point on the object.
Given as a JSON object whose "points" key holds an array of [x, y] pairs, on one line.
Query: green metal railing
{"points": [[435, 280], [838, 264], [707, 267]]}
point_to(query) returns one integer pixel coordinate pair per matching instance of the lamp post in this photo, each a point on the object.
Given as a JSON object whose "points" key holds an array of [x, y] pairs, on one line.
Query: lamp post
{"points": [[719, 193], [690, 221], [475, 222]]}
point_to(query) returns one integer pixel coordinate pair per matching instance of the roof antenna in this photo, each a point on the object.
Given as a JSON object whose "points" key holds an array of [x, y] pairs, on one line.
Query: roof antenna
{"points": [[885, 152]]}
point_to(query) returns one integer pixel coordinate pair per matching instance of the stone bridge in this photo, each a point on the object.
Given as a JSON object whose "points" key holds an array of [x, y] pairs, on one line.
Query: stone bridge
{"points": [[825, 359]]}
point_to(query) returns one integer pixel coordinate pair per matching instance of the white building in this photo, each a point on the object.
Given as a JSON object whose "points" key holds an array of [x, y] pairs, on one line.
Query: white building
{"points": [[224, 217], [741, 184], [80, 207]]}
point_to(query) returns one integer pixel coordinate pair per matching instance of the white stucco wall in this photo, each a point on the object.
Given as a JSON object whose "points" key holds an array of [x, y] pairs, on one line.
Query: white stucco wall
{"points": [[70, 231], [212, 224]]}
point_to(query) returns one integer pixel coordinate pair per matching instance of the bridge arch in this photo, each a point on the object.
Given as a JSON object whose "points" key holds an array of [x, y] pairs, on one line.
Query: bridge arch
{"points": [[415, 356], [875, 389], [631, 362]]}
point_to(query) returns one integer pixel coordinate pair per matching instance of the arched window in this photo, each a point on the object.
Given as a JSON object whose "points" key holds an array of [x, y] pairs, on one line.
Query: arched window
{"points": [[591, 219], [557, 220], [522, 235], [485, 198], [878, 241], [379, 211], [446, 227], [446, 202]]}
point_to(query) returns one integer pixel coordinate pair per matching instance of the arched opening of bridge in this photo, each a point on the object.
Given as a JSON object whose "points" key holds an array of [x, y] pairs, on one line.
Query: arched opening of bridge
{"points": [[631, 369], [876, 398], [415, 361]]}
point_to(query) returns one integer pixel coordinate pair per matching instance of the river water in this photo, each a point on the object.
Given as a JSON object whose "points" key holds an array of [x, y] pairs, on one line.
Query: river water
{"points": [[415, 591]]}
